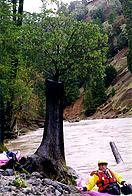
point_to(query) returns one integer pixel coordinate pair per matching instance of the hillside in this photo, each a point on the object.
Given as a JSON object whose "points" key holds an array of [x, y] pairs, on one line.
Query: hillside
{"points": [[95, 4], [119, 105], [87, 9]]}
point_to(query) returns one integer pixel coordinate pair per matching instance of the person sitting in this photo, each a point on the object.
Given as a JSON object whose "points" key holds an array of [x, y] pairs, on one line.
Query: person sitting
{"points": [[106, 180]]}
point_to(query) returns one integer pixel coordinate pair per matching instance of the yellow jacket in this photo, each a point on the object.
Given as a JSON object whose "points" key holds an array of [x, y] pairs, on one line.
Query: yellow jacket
{"points": [[94, 178]]}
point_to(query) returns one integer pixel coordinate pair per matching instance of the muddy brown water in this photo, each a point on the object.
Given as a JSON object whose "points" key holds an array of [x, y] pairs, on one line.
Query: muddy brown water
{"points": [[86, 142]]}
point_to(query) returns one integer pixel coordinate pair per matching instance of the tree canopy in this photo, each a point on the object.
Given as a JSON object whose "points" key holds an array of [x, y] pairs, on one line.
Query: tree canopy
{"points": [[63, 48]]}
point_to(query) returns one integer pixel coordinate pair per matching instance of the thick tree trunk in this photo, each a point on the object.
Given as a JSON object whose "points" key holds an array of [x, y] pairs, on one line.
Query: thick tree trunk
{"points": [[52, 145], [49, 159]]}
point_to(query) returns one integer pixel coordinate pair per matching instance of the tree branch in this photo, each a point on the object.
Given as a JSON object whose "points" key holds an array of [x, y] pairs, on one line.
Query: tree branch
{"points": [[70, 40]]}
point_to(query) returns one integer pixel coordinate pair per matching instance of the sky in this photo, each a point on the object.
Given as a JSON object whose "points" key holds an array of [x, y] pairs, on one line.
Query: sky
{"points": [[32, 5], [35, 5]]}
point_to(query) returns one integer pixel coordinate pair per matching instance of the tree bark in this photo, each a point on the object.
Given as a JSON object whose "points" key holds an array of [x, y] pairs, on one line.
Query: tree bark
{"points": [[52, 145], [50, 157]]}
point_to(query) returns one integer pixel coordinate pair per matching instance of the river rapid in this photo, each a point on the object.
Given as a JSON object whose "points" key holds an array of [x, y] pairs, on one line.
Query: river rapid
{"points": [[86, 142]]}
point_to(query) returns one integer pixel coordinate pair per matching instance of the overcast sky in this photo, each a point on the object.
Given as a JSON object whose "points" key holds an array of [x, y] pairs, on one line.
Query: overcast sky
{"points": [[32, 5], [35, 5]]}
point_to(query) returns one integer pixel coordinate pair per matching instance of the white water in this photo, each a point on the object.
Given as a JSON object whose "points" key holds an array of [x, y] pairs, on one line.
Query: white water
{"points": [[86, 142]]}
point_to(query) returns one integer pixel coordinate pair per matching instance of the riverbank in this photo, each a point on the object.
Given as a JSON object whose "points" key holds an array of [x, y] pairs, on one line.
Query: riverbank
{"points": [[32, 184]]}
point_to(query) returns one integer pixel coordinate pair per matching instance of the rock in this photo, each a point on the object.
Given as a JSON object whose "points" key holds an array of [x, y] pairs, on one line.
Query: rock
{"points": [[9, 172], [5, 189], [26, 190], [72, 172], [34, 181], [47, 181], [57, 193], [37, 175], [24, 176], [49, 191], [35, 186], [2, 171]]}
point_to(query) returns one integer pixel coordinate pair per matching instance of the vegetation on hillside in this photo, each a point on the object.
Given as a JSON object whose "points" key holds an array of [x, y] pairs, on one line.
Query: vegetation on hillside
{"points": [[109, 16], [127, 8]]}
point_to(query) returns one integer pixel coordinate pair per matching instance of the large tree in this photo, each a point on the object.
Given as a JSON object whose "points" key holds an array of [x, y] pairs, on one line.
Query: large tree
{"points": [[61, 48]]}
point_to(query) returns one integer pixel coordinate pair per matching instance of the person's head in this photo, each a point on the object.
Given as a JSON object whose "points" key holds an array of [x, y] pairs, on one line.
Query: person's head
{"points": [[102, 164]]}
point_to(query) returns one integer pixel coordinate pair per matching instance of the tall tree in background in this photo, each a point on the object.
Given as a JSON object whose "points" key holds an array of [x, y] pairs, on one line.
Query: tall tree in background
{"points": [[127, 8], [14, 75], [18, 11], [10, 121], [64, 49]]}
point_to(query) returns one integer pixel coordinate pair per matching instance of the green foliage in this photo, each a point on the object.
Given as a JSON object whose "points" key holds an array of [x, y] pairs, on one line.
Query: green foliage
{"points": [[118, 37], [39, 90], [127, 9], [19, 182], [130, 57], [17, 75], [71, 91], [113, 92], [98, 92], [89, 103], [112, 17], [98, 14], [3, 148], [122, 40], [95, 96], [61, 46], [110, 75]]}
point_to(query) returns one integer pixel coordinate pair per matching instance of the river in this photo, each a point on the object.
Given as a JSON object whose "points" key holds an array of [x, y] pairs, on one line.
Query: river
{"points": [[86, 142]]}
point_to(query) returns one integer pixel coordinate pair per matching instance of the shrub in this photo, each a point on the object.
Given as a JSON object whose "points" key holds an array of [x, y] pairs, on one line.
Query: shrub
{"points": [[112, 92], [19, 182], [88, 103], [110, 75], [94, 97]]}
